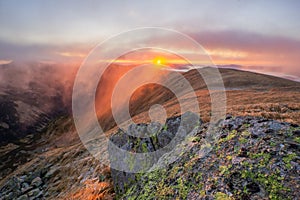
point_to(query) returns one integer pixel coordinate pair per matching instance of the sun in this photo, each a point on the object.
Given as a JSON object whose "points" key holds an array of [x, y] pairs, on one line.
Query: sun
{"points": [[159, 61]]}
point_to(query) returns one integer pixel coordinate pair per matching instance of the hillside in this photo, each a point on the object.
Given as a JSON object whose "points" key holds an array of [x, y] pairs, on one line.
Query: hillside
{"points": [[42, 165], [247, 93]]}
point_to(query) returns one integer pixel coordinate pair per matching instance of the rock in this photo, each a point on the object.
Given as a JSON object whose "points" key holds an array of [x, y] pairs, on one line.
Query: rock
{"points": [[237, 160], [275, 126], [53, 170], [26, 187], [4, 125], [23, 197], [9, 196], [137, 130], [119, 138], [135, 140], [37, 182], [32, 175], [189, 121], [297, 133], [23, 177], [153, 128], [14, 183], [164, 137], [34, 192]]}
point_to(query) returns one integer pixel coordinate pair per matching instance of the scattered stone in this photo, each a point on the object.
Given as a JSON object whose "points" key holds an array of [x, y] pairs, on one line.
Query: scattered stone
{"points": [[23, 197], [25, 187], [51, 172], [37, 182], [34, 192], [4, 125], [237, 160]]}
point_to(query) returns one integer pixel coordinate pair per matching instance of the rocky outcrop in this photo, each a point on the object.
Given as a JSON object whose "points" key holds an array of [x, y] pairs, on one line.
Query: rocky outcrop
{"points": [[50, 171], [60, 175], [143, 138], [253, 158]]}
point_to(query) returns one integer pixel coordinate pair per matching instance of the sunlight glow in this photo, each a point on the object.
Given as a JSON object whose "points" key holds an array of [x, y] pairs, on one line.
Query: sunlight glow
{"points": [[159, 61]]}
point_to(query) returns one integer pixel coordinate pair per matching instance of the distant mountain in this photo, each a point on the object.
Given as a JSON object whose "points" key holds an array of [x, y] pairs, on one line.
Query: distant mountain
{"points": [[30, 97], [29, 111]]}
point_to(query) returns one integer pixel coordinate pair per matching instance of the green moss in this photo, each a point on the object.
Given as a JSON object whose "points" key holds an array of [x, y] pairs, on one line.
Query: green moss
{"points": [[271, 182], [183, 188], [291, 130], [130, 161], [194, 139], [247, 174], [246, 125], [245, 133], [198, 178], [242, 140], [147, 192], [162, 190], [237, 149], [174, 172], [273, 144], [225, 170], [144, 148], [297, 139], [263, 159], [287, 159], [230, 136], [222, 196], [261, 155], [154, 139], [165, 127], [202, 193]]}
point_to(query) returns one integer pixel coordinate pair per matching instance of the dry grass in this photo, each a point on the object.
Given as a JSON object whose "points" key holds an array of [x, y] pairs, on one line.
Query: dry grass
{"points": [[273, 104], [248, 94], [92, 190]]}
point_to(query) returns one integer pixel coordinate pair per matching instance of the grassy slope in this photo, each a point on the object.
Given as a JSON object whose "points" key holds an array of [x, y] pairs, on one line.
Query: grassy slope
{"points": [[261, 95]]}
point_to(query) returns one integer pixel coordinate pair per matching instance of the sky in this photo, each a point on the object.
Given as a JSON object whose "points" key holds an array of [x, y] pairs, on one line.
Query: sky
{"points": [[259, 35]]}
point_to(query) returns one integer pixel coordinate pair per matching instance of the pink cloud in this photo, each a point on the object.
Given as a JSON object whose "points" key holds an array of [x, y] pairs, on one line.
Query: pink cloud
{"points": [[5, 62]]}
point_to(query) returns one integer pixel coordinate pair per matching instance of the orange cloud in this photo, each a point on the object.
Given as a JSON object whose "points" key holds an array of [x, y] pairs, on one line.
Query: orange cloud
{"points": [[4, 62], [245, 48], [72, 54]]}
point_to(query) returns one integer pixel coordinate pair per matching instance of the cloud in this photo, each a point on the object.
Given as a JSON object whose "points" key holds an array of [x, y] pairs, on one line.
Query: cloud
{"points": [[225, 47], [5, 62], [44, 53], [251, 49], [246, 41], [71, 54]]}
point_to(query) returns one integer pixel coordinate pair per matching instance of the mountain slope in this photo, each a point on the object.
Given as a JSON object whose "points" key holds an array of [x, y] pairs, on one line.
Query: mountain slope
{"points": [[56, 149]]}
